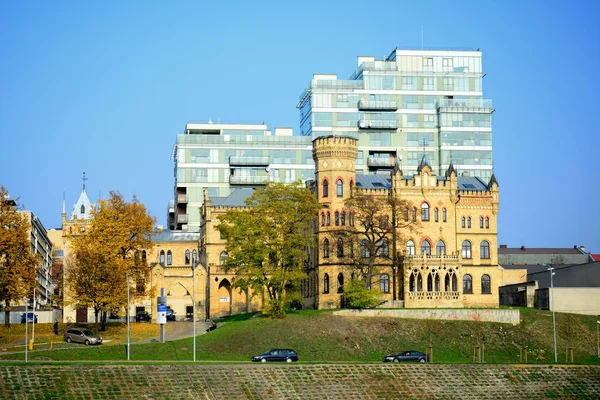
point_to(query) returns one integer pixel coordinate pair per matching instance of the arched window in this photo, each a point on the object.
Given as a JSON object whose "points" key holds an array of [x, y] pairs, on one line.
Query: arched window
{"points": [[424, 212], [419, 283], [343, 218], [433, 281], [340, 283], [82, 209], [223, 258], [411, 282], [405, 214], [194, 258], [322, 219], [486, 287], [440, 248], [450, 282], [143, 256], [484, 250], [328, 218], [469, 222], [339, 188], [364, 248], [466, 249], [410, 248], [487, 223], [425, 248], [467, 284], [436, 215], [481, 222], [414, 214], [462, 222], [187, 257], [326, 283], [326, 248], [169, 258], [337, 218], [162, 257], [384, 283], [443, 215], [325, 188], [384, 250], [351, 187], [340, 247]]}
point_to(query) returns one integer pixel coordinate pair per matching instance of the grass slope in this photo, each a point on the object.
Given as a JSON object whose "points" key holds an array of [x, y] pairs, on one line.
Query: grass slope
{"points": [[320, 336]]}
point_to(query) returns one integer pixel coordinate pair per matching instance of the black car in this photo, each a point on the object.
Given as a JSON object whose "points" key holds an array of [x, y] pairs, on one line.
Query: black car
{"points": [[409, 355], [142, 316], [287, 355], [29, 317], [170, 314]]}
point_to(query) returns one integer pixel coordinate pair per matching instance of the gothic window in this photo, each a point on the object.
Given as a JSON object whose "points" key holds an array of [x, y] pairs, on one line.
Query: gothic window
{"points": [[419, 283], [384, 250], [466, 249], [433, 281], [384, 283], [326, 283], [187, 257], [326, 248], [169, 258], [364, 249], [443, 215], [436, 215], [469, 222], [486, 287], [82, 209], [462, 222], [410, 248], [337, 218], [340, 283], [467, 284], [325, 188], [162, 257], [450, 282], [328, 218], [424, 212], [351, 187], [194, 258], [223, 258], [487, 223], [440, 248], [425, 248], [481, 222], [405, 212], [340, 247], [322, 219], [414, 214], [340, 188], [144, 257], [343, 218], [484, 250]]}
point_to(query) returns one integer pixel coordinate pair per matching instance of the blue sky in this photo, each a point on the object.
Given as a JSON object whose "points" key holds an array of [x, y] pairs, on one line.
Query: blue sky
{"points": [[105, 87]]}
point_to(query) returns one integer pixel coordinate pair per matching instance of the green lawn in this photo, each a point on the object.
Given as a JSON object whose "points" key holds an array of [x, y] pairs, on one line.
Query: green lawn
{"points": [[319, 336]]}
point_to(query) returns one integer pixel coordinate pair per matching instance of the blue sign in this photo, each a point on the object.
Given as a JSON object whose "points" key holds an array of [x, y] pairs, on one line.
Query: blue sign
{"points": [[162, 308]]}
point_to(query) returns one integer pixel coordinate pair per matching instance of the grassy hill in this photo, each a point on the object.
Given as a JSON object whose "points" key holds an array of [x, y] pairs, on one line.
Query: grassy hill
{"points": [[320, 336]]}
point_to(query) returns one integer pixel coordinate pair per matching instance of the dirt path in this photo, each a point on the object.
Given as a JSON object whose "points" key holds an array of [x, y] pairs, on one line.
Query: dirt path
{"points": [[180, 330]]}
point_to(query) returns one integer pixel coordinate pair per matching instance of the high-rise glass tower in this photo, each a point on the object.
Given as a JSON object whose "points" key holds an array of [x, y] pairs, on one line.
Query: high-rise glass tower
{"points": [[414, 103]]}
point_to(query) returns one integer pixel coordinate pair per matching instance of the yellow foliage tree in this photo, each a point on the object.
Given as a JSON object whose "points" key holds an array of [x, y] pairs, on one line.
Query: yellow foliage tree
{"points": [[18, 266], [112, 250]]}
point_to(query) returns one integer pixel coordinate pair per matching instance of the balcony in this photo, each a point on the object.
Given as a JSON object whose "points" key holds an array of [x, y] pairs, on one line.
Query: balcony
{"points": [[182, 198], [431, 258], [378, 124], [366, 105], [249, 161], [465, 105], [434, 295], [380, 161], [182, 218], [248, 180], [171, 206]]}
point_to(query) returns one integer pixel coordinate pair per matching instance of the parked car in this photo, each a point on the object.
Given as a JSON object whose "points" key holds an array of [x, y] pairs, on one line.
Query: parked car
{"points": [[287, 355], [31, 317], [142, 316], [82, 335], [408, 355], [170, 314]]}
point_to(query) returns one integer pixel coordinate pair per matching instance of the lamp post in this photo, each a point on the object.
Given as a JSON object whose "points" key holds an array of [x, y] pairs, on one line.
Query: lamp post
{"points": [[598, 335], [128, 318], [551, 269], [26, 333], [194, 304]]}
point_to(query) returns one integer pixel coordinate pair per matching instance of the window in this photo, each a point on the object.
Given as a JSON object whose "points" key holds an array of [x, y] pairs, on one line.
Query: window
{"points": [[450, 282], [194, 258], [384, 250], [433, 281], [343, 218], [487, 223], [364, 248], [428, 83], [326, 283], [405, 212], [435, 215], [340, 188], [187, 257], [467, 284], [484, 249], [340, 283], [440, 248], [223, 258], [443, 215], [140, 285], [481, 222], [162, 257], [337, 218], [340, 247], [427, 64], [486, 287], [326, 248], [351, 187], [169, 258], [410, 248], [384, 283], [414, 214], [82, 209], [325, 188], [469, 222], [425, 248], [424, 212], [143, 256], [462, 222], [466, 249]]}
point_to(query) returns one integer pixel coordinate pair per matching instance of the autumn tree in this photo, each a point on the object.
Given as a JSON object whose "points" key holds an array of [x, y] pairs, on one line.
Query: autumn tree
{"points": [[110, 252], [376, 228], [266, 242], [18, 265]]}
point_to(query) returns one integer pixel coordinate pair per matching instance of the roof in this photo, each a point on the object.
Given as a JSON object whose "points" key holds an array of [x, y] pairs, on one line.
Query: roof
{"points": [[237, 198], [471, 183], [378, 182], [175, 236], [534, 268], [537, 250], [595, 257]]}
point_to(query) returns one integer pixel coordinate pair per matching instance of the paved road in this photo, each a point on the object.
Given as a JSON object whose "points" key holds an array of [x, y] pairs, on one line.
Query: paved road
{"points": [[180, 330]]}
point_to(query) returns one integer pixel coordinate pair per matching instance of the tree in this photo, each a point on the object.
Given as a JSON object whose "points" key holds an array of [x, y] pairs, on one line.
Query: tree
{"points": [[376, 228], [112, 250], [266, 243], [18, 265], [359, 296]]}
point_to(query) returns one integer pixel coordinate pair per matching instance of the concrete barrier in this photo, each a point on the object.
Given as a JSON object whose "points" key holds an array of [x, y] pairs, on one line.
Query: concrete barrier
{"points": [[463, 314]]}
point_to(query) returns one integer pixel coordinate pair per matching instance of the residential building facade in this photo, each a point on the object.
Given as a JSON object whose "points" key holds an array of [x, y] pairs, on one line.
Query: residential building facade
{"points": [[41, 244]]}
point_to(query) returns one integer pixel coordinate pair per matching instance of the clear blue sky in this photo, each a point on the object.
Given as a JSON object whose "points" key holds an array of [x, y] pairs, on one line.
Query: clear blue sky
{"points": [[105, 88]]}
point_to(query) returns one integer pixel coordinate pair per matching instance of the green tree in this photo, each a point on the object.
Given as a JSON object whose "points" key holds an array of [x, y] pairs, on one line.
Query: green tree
{"points": [[359, 296], [266, 242], [18, 266], [110, 252]]}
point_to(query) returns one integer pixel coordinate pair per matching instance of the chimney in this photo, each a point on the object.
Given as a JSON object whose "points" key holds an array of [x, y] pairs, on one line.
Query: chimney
{"points": [[522, 247]]}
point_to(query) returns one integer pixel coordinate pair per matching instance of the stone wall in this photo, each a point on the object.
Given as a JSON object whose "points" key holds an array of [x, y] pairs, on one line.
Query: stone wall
{"points": [[483, 315]]}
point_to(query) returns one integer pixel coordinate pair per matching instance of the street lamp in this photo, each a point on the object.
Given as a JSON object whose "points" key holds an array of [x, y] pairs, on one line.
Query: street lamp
{"points": [[194, 303], [551, 269], [598, 335], [128, 318]]}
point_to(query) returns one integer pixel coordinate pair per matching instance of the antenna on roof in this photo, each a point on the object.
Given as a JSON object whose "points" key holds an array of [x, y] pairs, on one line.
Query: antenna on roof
{"points": [[84, 179]]}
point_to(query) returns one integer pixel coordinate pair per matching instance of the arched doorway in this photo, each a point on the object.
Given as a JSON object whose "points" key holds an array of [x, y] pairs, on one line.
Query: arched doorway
{"points": [[224, 294]]}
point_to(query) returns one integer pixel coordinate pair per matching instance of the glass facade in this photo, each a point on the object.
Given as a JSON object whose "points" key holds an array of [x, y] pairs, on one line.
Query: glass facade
{"points": [[410, 104]]}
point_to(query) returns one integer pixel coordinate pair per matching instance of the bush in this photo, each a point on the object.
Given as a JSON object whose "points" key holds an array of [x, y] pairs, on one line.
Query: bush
{"points": [[358, 296]]}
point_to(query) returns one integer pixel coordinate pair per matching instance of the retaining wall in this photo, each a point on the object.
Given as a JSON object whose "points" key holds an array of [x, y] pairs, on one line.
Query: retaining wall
{"points": [[463, 314]]}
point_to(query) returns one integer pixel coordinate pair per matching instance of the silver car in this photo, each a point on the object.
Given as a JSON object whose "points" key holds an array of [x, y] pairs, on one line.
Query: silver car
{"points": [[82, 335]]}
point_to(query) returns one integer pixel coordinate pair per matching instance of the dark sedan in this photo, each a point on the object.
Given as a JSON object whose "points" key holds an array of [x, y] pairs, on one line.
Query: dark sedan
{"points": [[409, 356], [286, 355]]}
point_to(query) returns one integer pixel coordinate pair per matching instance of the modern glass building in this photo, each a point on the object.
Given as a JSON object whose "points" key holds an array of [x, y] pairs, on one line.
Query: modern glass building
{"points": [[222, 157], [412, 103]]}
